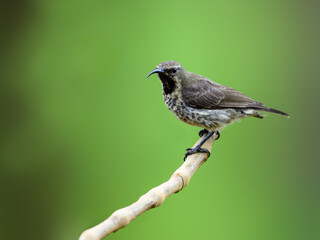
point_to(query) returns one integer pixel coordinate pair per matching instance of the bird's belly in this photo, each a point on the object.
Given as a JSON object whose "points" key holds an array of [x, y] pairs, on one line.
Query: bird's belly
{"points": [[204, 118], [208, 119]]}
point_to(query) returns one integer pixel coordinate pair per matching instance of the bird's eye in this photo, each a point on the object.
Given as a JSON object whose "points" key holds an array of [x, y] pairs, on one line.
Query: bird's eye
{"points": [[174, 70]]}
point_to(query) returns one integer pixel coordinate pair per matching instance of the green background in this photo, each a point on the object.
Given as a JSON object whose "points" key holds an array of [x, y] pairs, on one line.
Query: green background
{"points": [[83, 134]]}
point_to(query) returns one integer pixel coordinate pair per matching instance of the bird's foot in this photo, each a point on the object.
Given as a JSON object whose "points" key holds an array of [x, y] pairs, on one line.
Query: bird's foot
{"points": [[203, 132], [218, 135], [191, 151]]}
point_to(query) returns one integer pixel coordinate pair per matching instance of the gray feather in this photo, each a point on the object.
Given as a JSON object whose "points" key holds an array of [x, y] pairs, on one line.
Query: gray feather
{"points": [[200, 92]]}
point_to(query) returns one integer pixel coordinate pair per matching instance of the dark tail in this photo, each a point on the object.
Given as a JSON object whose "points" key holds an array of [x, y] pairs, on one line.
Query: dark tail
{"points": [[266, 109]]}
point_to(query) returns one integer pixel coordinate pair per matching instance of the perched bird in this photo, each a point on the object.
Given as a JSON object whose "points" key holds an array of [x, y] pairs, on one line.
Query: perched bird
{"points": [[198, 101]]}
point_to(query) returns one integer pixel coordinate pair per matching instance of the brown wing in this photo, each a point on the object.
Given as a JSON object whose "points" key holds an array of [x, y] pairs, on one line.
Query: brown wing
{"points": [[201, 94], [236, 99], [205, 94]]}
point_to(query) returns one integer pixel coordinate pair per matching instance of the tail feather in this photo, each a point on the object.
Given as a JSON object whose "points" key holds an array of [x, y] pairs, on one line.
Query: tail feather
{"points": [[267, 109]]}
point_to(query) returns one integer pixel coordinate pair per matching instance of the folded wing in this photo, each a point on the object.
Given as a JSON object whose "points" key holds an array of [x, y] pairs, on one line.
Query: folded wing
{"points": [[205, 94]]}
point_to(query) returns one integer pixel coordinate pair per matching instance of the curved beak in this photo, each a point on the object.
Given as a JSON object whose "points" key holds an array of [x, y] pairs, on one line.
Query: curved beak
{"points": [[157, 70]]}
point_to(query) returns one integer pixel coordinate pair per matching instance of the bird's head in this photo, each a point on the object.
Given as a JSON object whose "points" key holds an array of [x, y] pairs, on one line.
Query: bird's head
{"points": [[168, 69], [170, 73]]}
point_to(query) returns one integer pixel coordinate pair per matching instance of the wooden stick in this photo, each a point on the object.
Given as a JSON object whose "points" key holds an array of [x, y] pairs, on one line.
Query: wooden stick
{"points": [[154, 198]]}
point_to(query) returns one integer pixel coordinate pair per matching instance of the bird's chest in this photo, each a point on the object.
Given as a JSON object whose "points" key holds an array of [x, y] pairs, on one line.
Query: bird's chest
{"points": [[178, 108], [173, 102]]}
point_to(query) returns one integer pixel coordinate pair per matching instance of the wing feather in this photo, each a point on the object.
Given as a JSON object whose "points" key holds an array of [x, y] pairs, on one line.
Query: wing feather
{"points": [[201, 94], [205, 94]]}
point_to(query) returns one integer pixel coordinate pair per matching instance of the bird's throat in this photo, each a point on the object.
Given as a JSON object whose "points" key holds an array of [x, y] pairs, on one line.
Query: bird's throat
{"points": [[168, 83]]}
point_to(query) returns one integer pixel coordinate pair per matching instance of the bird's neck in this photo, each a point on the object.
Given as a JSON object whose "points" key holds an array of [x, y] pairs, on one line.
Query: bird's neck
{"points": [[169, 85]]}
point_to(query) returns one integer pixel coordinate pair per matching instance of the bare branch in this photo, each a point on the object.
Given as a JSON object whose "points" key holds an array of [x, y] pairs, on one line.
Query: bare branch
{"points": [[154, 198]]}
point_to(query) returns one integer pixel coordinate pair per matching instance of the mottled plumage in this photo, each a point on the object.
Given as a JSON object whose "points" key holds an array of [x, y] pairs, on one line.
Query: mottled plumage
{"points": [[198, 101]]}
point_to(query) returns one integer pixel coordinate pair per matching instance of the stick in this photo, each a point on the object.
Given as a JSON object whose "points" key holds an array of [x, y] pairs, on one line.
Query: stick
{"points": [[154, 198]]}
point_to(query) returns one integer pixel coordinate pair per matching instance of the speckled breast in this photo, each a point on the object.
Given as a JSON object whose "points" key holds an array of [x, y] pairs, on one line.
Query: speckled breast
{"points": [[209, 119]]}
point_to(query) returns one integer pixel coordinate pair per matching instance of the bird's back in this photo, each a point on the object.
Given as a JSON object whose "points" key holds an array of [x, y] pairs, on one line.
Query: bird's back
{"points": [[202, 93]]}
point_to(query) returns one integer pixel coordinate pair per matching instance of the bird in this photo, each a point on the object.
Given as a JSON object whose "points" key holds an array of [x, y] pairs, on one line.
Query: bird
{"points": [[198, 101]]}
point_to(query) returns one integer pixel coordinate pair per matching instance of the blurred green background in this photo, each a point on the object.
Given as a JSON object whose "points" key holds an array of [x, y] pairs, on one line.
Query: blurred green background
{"points": [[83, 134]]}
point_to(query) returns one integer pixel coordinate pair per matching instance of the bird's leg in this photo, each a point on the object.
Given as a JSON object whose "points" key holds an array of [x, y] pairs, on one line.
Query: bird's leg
{"points": [[202, 132], [205, 131], [198, 148]]}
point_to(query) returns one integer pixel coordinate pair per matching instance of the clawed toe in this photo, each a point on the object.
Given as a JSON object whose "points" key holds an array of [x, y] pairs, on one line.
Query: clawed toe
{"points": [[218, 135], [191, 151], [198, 148], [203, 132]]}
